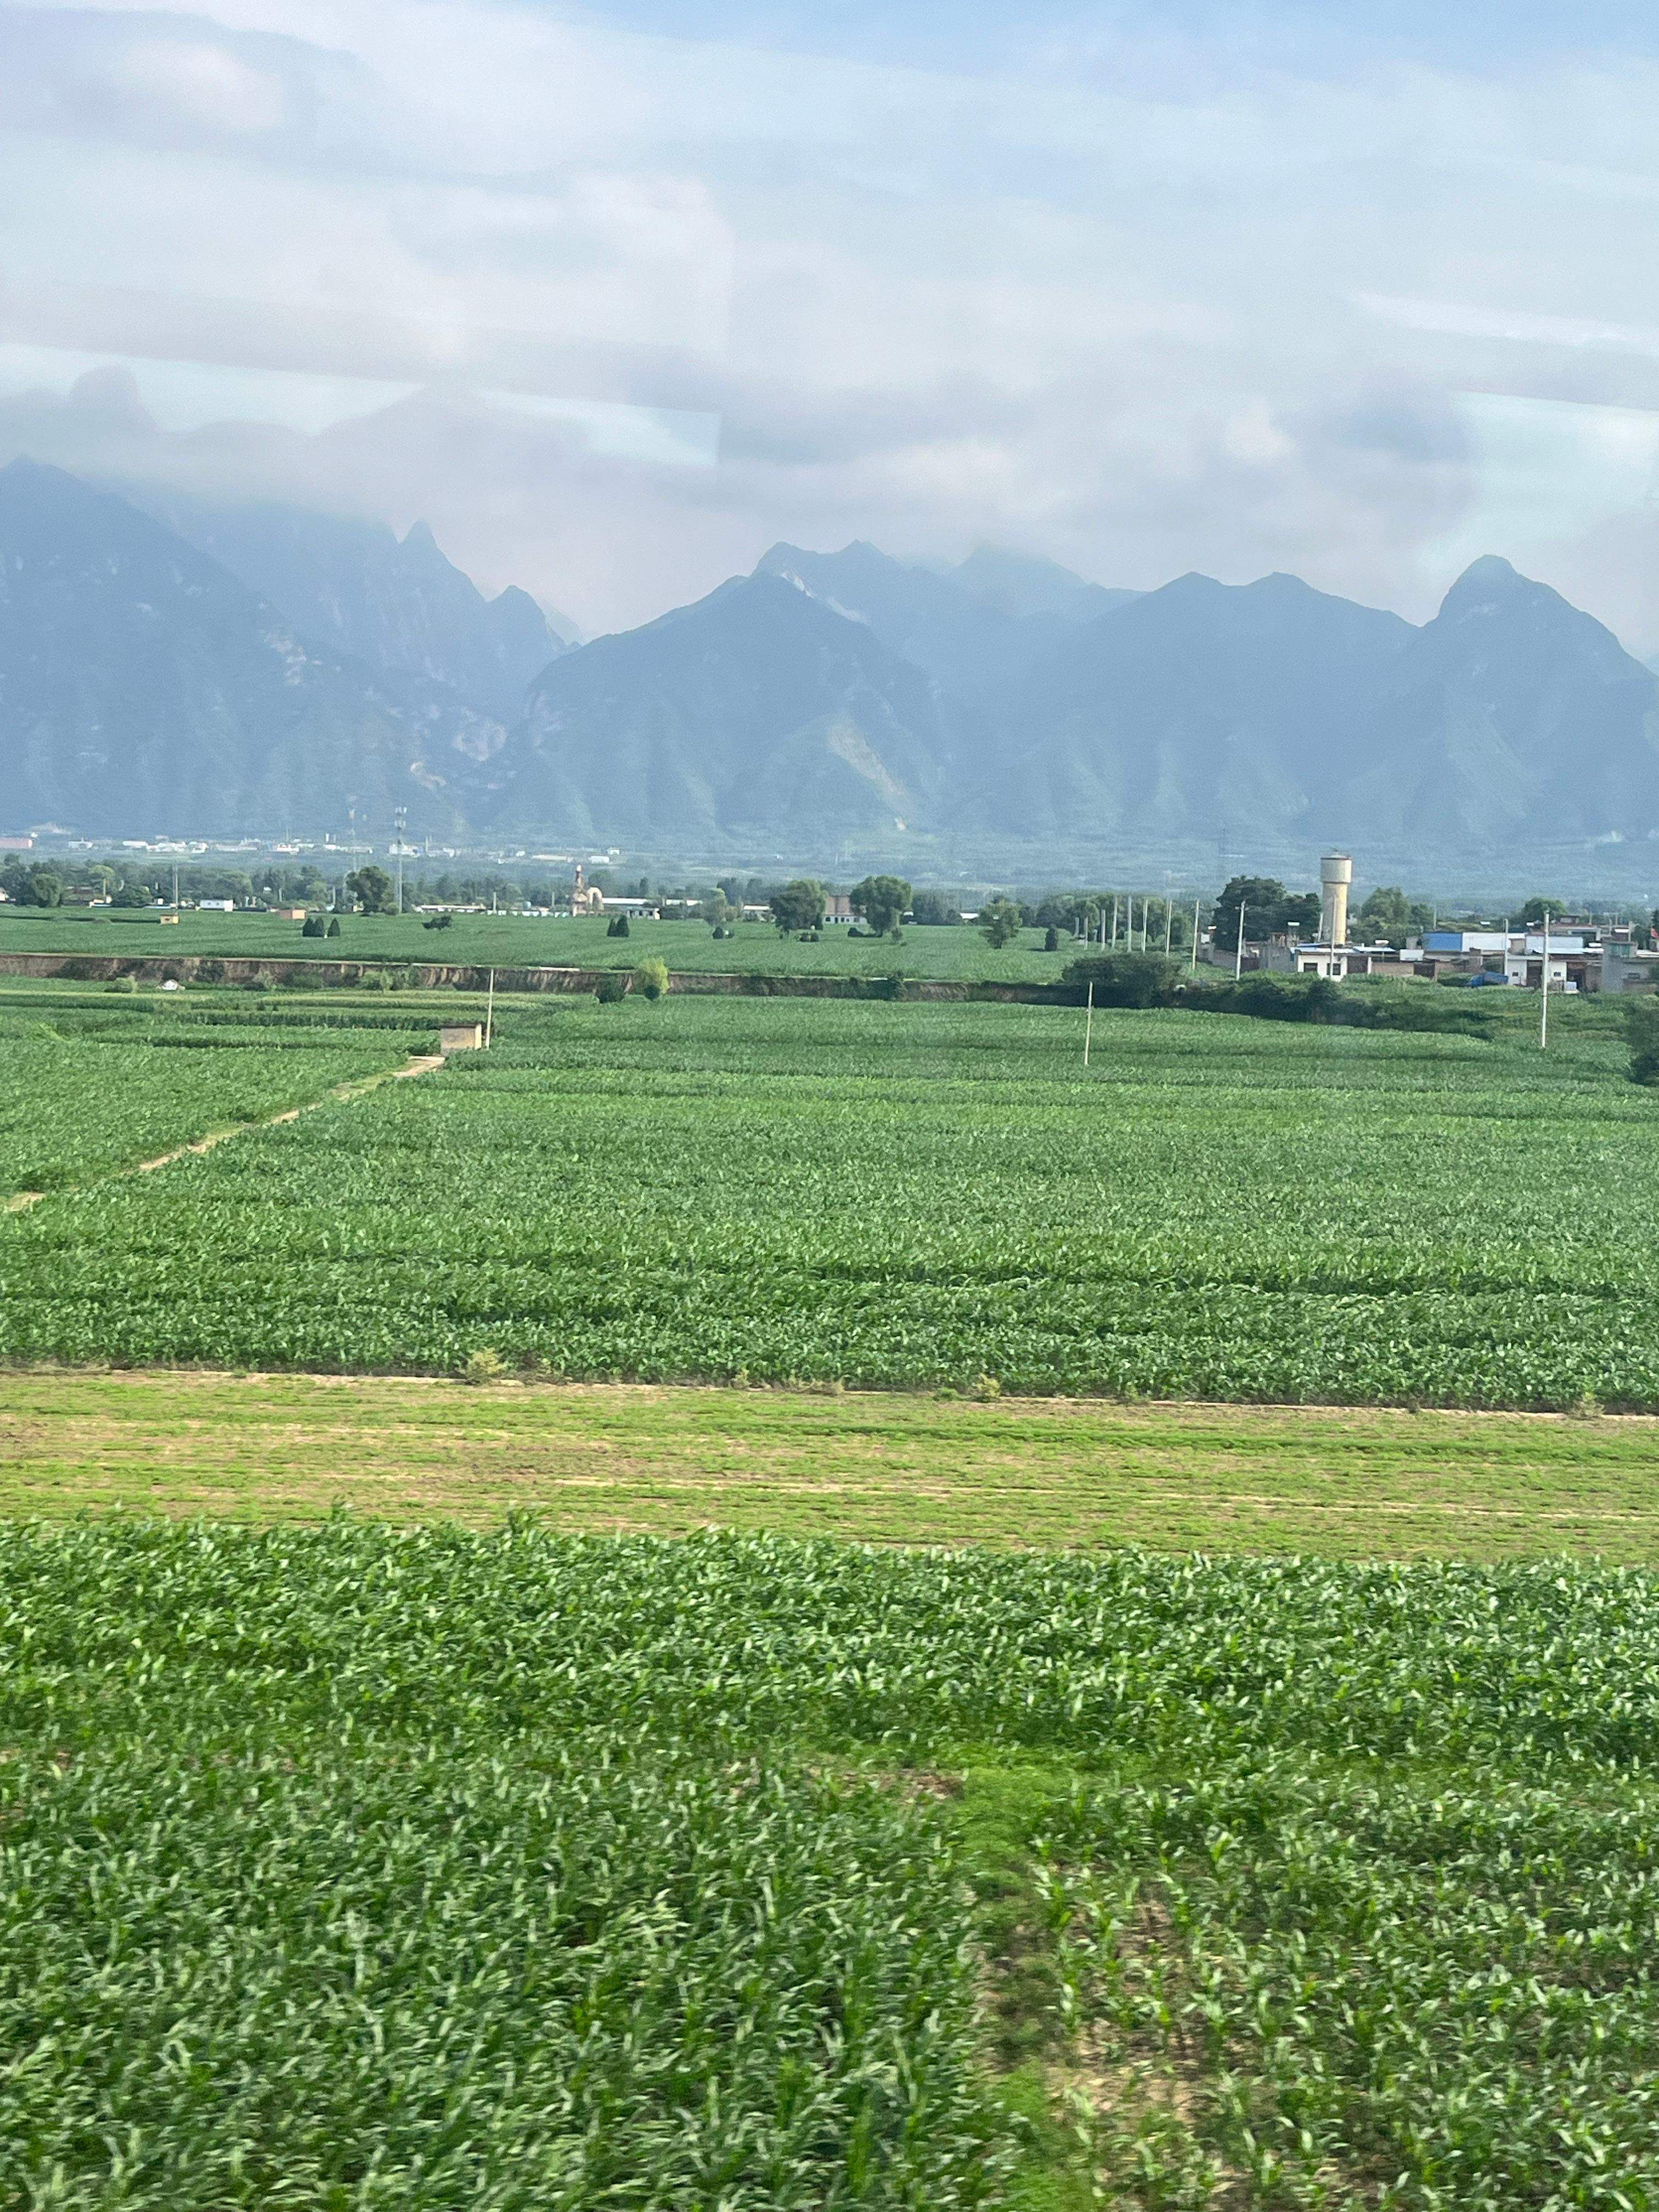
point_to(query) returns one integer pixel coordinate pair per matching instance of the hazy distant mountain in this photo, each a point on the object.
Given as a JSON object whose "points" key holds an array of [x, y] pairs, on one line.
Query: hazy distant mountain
{"points": [[983, 623], [760, 710], [399, 606], [1197, 709], [1510, 721], [145, 690], [1512, 730], [1023, 584], [1004, 714]]}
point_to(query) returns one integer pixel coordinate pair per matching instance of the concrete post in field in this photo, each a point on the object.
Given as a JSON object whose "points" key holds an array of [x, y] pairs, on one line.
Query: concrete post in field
{"points": [[1335, 875], [1544, 979]]}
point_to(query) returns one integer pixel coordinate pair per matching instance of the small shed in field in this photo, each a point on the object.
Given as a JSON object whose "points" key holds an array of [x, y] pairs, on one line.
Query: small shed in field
{"points": [[461, 1036]]}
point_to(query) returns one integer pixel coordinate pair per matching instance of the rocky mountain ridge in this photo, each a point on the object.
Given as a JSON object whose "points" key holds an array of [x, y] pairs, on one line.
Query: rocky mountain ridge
{"points": [[262, 671]]}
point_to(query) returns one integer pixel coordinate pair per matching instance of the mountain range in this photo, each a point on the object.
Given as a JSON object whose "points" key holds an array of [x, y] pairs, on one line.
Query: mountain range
{"points": [[183, 668]]}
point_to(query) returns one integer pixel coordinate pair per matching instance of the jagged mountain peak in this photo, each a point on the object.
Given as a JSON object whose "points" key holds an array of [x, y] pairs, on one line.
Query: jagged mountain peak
{"points": [[402, 605], [151, 683]]}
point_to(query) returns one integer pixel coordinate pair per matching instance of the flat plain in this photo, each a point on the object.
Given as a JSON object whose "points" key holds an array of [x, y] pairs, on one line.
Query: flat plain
{"points": [[530, 941], [899, 1195], [1049, 1782]]}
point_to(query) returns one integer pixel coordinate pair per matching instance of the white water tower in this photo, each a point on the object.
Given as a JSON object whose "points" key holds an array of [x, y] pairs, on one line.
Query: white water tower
{"points": [[1335, 874]]}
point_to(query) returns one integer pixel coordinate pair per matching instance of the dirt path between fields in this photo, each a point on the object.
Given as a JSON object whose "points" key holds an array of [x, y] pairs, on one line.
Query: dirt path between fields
{"points": [[419, 1063]]}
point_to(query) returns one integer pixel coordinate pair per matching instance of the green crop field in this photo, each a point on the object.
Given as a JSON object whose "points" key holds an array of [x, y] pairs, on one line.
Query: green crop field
{"points": [[902, 1194], [348, 1867], [529, 941], [94, 1083]]}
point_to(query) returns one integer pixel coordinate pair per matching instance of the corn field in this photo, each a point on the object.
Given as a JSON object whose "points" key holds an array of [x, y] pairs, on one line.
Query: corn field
{"points": [[346, 1866], [917, 1195]]}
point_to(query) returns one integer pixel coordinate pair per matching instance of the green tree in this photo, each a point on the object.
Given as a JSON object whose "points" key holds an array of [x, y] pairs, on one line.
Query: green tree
{"points": [[935, 910], [1536, 910], [373, 889], [334, 925], [651, 978], [1000, 923], [1125, 979], [1642, 1029], [1389, 912], [882, 900], [45, 887], [131, 896], [1269, 909], [798, 905]]}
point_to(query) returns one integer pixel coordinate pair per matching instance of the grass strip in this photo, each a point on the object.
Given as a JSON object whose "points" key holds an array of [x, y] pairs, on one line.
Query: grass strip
{"points": [[879, 1466]]}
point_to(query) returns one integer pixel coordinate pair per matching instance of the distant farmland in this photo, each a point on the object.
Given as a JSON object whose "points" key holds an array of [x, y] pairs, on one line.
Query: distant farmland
{"points": [[873, 1194]]}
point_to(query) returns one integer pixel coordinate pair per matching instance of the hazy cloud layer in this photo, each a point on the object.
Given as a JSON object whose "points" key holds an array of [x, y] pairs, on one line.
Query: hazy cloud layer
{"points": [[615, 309]]}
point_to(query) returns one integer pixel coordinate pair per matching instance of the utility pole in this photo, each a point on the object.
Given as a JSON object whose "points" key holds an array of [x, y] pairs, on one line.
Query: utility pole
{"points": [[1168, 918], [1088, 1024], [176, 887], [1114, 921], [400, 816], [490, 1012], [1238, 956], [1197, 903], [1544, 978]]}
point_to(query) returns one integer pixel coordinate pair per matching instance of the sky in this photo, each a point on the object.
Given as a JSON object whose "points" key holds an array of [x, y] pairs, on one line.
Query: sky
{"points": [[616, 297]]}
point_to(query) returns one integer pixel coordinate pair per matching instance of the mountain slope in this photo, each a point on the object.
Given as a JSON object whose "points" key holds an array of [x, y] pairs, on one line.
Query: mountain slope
{"points": [[143, 689], [981, 626], [757, 711], [398, 605], [1512, 720], [827, 699], [1021, 585], [1199, 706]]}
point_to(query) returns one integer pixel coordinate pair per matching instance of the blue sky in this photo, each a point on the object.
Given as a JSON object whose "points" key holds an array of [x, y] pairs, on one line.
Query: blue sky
{"points": [[615, 296], [970, 34]]}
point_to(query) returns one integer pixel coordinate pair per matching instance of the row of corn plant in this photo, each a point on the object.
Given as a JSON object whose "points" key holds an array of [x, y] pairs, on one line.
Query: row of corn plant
{"points": [[347, 1866]]}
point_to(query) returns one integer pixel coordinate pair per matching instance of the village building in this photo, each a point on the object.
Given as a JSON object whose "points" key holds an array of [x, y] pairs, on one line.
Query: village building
{"points": [[586, 898]]}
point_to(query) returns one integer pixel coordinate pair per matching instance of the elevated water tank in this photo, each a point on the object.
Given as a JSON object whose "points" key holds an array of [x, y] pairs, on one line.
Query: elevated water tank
{"points": [[1335, 874]]}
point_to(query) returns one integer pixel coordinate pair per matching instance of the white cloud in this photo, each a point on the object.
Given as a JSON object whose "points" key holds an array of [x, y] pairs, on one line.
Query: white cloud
{"points": [[187, 395], [1146, 307], [206, 83]]}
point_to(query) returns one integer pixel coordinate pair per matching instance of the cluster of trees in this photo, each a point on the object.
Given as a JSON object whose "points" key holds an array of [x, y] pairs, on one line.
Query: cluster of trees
{"points": [[880, 902], [1143, 980], [140, 882], [27, 883], [1267, 908]]}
